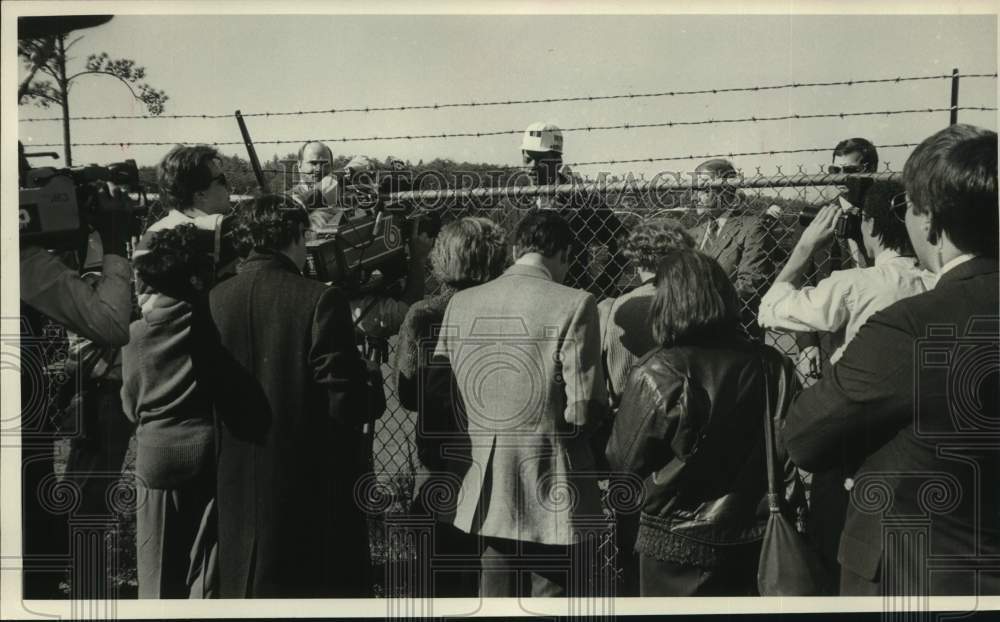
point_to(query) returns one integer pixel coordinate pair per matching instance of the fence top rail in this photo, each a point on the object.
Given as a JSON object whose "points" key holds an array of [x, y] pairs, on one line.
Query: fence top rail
{"points": [[663, 182]]}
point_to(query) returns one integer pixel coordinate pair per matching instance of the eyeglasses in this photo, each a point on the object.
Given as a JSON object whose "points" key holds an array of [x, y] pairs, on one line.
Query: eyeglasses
{"points": [[850, 169], [897, 205]]}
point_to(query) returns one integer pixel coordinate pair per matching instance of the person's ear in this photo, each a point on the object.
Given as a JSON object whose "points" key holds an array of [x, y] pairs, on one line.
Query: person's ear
{"points": [[515, 251], [930, 234]]}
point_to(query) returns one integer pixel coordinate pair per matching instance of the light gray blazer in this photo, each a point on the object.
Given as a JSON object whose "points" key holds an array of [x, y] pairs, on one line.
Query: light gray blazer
{"points": [[525, 355]]}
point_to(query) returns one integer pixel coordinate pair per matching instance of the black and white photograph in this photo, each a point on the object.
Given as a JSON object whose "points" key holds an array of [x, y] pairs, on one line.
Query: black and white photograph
{"points": [[500, 309]]}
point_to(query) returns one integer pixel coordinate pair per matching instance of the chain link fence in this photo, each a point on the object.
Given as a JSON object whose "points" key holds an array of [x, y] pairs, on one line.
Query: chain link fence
{"points": [[771, 206], [601, 215]]}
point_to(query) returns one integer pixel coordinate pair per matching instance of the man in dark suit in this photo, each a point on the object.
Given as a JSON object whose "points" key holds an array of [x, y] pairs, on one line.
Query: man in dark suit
{"points": [[740, 241], [291, 399], [911, 406]]}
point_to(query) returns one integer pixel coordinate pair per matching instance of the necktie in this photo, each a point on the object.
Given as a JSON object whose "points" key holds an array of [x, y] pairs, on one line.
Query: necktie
{"points": [[711, 229]]}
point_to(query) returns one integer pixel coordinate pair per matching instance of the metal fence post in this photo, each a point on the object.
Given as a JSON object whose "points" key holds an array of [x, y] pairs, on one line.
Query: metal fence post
{"points": [[954, 96]]}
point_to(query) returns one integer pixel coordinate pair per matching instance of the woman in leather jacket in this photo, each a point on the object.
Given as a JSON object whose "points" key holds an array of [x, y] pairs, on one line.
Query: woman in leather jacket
{"points": [[691, 425]]}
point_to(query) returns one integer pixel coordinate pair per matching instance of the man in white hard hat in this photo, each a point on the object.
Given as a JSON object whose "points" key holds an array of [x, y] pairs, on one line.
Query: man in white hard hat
{"points": [[598, 264], [541, 150]]}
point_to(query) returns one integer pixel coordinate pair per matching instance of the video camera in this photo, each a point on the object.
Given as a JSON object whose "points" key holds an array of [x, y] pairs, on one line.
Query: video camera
{"points": [[366, 232], [363, 232], [57, 206]]}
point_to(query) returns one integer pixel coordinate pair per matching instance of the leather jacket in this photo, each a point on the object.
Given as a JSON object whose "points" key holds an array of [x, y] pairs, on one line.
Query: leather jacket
{"points": [[691, 425]]}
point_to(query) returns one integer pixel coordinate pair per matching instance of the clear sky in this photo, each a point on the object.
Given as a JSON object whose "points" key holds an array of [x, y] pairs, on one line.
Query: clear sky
{"points": [[216, 64]]}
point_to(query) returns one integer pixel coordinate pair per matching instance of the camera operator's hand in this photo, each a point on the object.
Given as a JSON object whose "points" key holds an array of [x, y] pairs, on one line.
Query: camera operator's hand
{"points": [[113, 220], [821, 230]]}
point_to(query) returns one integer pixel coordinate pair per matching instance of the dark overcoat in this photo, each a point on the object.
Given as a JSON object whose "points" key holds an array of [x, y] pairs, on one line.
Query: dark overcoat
{"points": [[290, 391]]}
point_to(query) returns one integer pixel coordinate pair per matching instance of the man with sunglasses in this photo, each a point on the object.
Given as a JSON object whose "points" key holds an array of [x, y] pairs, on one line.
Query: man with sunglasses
{"points": [[851, 156], [196, 191], [839, 305], [913, 401]]}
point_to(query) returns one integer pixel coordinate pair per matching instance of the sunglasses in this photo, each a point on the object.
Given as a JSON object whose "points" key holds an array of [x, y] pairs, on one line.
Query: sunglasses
{"points": [[844, 170]]}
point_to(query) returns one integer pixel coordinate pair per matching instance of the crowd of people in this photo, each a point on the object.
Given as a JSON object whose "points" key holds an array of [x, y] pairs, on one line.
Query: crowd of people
{"points": [[541, 381]]}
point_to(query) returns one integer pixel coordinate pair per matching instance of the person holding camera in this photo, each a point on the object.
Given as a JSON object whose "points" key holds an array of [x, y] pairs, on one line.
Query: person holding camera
{"points": [[292, 396], [839, 305], [851, 156], [316, 187], [908, 405], [97, 308], [524, 352]]}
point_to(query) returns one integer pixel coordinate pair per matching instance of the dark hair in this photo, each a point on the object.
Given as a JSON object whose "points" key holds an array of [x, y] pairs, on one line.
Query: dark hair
{"points": [[694, 301], [183, 172], [269, 223], [469, 251], [953, 176], [175, 256], [651, 239], [302, 149], [717, 168], [861, 146], [887, 222], [543, 231]]}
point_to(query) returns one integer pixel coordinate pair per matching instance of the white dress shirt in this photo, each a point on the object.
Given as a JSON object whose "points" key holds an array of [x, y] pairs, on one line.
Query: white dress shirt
{"points": [[954, 262], [843, 302]]}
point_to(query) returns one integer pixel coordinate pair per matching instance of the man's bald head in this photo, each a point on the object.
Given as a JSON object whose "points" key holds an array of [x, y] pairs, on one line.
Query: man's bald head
{"points": [[716, 168], [315, 159]]}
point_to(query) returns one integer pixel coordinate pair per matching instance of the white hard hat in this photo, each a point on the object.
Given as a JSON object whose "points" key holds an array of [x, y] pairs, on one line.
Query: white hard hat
{"points": [[542, 136]]}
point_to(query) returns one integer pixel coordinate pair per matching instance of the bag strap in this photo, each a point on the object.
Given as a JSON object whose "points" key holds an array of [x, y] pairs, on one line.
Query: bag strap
{"points": [[772, 484]]}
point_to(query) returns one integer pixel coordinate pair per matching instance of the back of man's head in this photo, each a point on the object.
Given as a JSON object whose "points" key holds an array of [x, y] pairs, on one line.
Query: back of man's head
{"points": [[183, 172], [177, 264], [885, 205], [542, 231], [270, 223], [867, 154], [952, 175]]}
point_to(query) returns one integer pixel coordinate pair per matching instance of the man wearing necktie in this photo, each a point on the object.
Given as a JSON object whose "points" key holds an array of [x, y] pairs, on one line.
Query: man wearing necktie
{"points": [[737, 239]]}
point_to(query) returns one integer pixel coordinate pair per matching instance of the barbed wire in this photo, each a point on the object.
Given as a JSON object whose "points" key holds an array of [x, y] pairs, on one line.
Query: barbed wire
{"points": [[512, 102], [730, 155], [588, 128]]}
